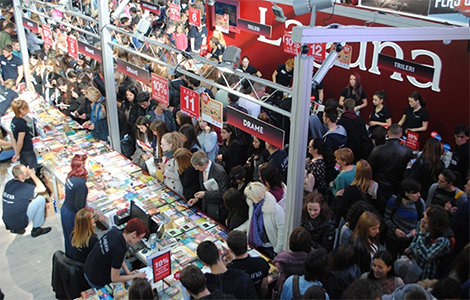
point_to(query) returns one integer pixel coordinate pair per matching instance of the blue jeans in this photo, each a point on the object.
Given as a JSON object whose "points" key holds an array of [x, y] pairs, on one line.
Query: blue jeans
{"points": [[91, 284], [35, 211]]}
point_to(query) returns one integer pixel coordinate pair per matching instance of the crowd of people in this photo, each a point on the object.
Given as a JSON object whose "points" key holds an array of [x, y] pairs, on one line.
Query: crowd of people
{"points": [[368, 198]]}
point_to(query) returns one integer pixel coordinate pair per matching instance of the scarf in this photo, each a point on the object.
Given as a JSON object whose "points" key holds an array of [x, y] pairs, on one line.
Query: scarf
{"points": [[257, 225], [96, 115], [168, 154]]}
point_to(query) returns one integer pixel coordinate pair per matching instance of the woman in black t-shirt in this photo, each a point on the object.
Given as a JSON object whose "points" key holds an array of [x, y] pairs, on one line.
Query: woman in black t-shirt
{"points": [[76, 193], [354, 91], [83, 235], [380, 115], [22, 141], [416, 117]]}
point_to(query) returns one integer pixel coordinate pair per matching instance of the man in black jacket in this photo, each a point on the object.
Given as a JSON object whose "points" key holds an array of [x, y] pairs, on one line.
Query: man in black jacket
{"points": [[231, 281], [389, 161]]}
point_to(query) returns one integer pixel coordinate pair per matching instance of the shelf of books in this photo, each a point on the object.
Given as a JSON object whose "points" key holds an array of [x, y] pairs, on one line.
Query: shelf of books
{"points": [[114, 181]]}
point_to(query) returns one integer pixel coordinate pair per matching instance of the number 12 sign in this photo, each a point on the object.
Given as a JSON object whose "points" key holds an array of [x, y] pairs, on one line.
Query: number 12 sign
{"points": [[189, 101]]}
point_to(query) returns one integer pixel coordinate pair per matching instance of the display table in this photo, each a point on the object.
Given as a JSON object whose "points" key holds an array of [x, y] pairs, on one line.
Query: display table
{"points": [[114, 181]]}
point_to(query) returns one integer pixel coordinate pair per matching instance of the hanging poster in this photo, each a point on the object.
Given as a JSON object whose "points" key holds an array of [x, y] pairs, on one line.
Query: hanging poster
{"points": [[189, 102], [72, 46], [133, 71], [211, 110], [90, 51]]}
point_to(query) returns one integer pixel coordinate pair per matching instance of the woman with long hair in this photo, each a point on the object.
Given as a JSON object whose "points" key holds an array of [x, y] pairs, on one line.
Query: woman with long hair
{"points": [[431, 242], [270, 176], [143, 137], [63, 64], [68, 96], [365, 240], [207, 138], [171, 142], [229, 153], [158, 128], [21, 137], [321, 164], [183, 119], [290, 262], [76, 193], [354, 91], [240, 176], [259, 156], [416, 117], [129, 101], [428, 166], [37, 68], [190, 141], [362, 188], [318, 219], [380, 115], [189, 177], [235, 202], [382, 272], [265, 224], [94, 95], [351, 218], [84, 236]]}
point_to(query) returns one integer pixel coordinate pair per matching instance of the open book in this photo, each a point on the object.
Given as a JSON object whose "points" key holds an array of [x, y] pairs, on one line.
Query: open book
{"points": [[211, 185]]}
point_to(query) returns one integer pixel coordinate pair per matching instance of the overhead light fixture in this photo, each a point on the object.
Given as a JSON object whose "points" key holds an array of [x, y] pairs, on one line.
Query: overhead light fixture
{"points": [[325, 67], [231, 55], [210, 2], [302, 7], [142, 28], [279, 13]]}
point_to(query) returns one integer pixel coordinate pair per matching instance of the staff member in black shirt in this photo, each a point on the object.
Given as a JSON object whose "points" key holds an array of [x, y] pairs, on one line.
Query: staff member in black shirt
{"points": [[416, 117], [12, 66], [284, 73], [22, 141], [76, 193], [103, 264], [247, 68]]}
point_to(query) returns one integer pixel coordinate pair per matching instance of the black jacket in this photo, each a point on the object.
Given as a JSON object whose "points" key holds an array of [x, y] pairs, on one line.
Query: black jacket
{"points": [[358, 138], [388, 163], [353, 194], [68, 279], [233, 281], [336, 282], [190, 181], [322, 231], [218, 296]]}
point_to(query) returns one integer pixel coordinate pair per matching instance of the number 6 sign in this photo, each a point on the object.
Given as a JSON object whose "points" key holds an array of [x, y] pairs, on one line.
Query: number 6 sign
{"points": [[194, 17], [189, 101]]}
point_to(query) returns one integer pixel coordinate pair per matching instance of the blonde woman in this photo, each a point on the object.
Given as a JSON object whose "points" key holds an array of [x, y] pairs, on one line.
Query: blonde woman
{"points": [[21, 137], [83, 236], [265, 224]]}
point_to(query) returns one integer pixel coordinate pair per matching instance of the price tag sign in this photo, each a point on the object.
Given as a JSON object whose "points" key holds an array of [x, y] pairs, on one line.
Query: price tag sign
{"points": [[412, 140], [211, 110], [194, 17], [47, 35], [160, 89], [72, 46], [174, 12], [62, 41], [161, 265], [317, 51], [344, 57], [290, 47], [189, 102]]}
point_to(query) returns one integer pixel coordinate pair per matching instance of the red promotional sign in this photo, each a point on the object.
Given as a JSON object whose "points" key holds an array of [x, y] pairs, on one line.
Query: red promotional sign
{"points": [[161, 265], [47, 35], [160, 89], [174, 12], [189, 102], [72, 46], [290, 47], [412, 140], [318, 51], [194, 17]]}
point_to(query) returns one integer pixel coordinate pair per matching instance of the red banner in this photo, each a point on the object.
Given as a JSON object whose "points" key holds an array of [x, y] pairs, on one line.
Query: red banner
{"points": [[174, 12], [194, 17], [161, 265], [317, 51], [47, 35], [290, 47], [72, 46], [412, 140], [160, 89], [189, 102]]}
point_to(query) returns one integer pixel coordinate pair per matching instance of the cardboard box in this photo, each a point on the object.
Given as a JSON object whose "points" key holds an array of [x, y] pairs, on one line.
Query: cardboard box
{"points": [[49, 209]]}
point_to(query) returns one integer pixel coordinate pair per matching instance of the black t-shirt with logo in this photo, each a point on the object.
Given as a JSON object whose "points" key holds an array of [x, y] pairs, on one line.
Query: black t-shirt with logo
{"points": [[16, 196], [256, 267], [108, 253], [10, 67], [19, 125], [441, 197], [283, 77], [415, 119]]}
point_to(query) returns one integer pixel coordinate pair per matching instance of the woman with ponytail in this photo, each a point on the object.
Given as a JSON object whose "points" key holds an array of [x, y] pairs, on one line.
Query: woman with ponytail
{"points": [[21, 137]]}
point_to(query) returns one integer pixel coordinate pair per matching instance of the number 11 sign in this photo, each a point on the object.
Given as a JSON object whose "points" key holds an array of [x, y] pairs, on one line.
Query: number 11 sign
{"points": [[189, 101]]}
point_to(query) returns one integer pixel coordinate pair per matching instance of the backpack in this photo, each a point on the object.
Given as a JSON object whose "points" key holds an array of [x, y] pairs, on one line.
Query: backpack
{"points": [[296, 288]]}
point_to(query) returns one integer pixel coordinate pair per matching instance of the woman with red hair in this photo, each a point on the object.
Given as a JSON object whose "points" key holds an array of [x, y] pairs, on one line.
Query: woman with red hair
{"points": [[354, 91], [76, 193]]}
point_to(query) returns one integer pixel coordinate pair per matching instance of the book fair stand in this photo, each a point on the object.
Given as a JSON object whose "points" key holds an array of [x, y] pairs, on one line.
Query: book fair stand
{"points": [[117, 185]]}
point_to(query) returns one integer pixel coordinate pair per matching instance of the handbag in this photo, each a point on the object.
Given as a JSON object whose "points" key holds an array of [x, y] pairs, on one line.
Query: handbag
{"points": [[407, 269]]}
